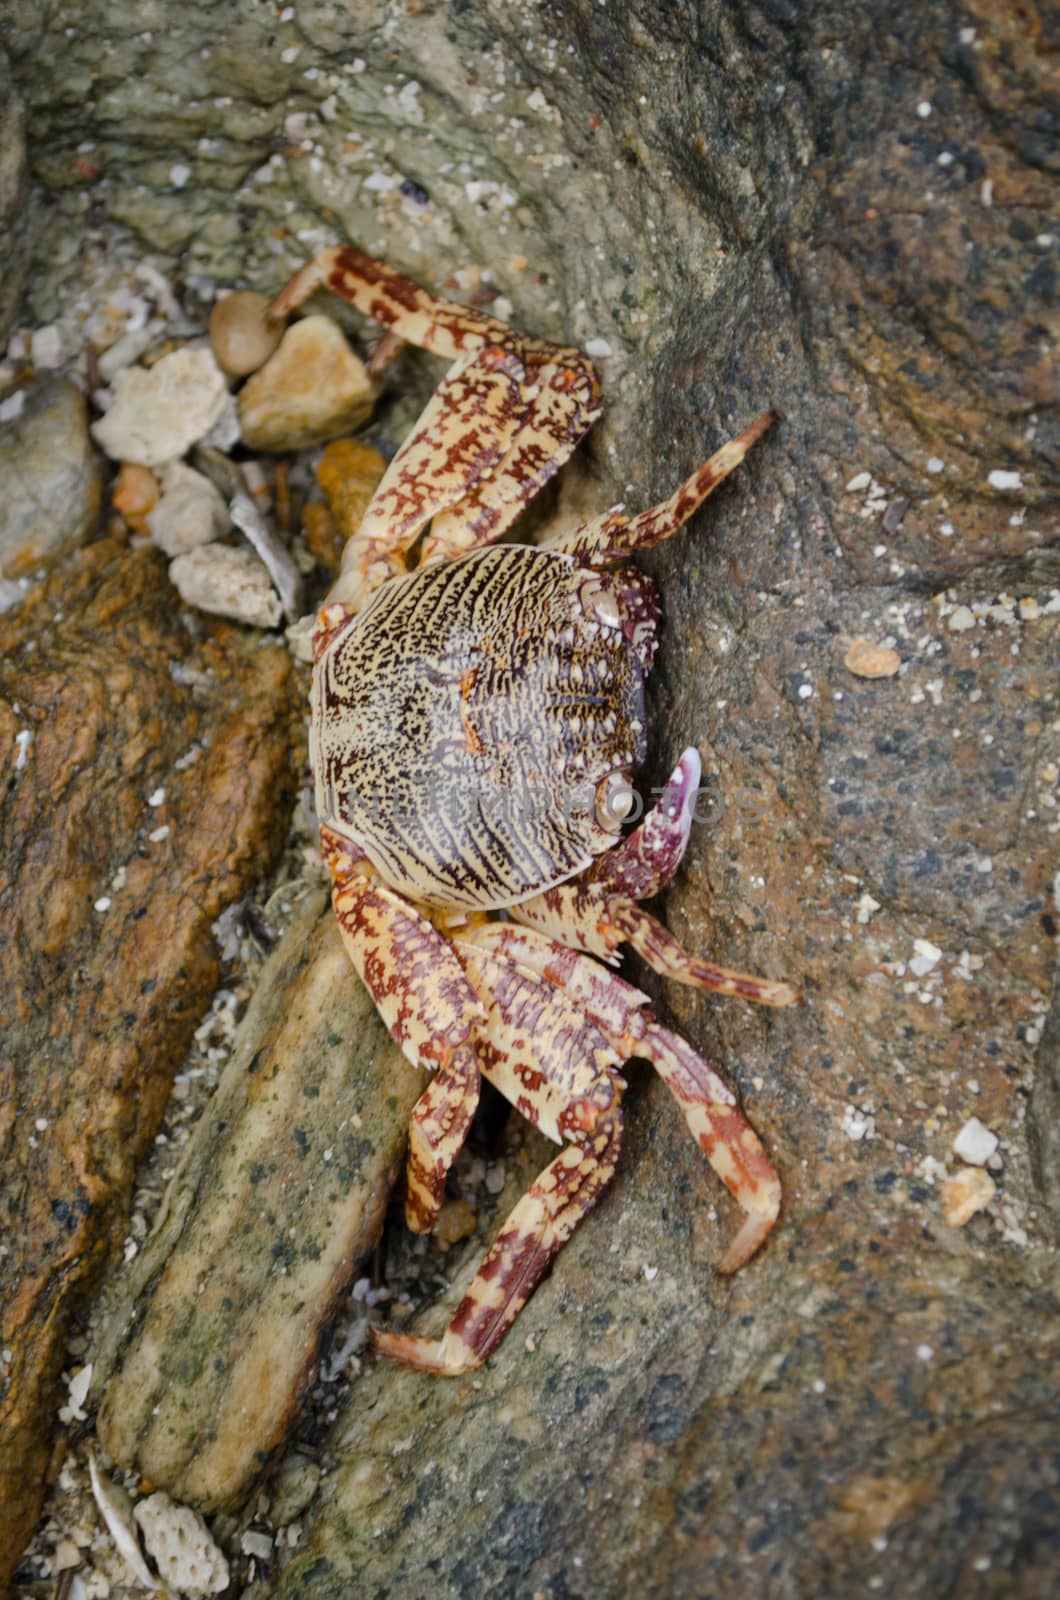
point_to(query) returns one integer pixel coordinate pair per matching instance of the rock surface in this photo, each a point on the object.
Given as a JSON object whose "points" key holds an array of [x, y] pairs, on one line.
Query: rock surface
{"points": [[842, 212], [117, 725], [14, 233], [51, 479]]}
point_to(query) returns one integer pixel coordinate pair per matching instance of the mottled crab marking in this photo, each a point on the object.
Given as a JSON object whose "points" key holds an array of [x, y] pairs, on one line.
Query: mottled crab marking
{"points": [[476, 722]]}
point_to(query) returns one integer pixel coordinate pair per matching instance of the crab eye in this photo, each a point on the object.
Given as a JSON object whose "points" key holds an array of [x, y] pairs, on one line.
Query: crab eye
{"points": [[616, 802]]}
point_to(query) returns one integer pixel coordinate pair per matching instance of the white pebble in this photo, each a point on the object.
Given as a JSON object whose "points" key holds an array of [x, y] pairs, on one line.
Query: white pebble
{"points": [[805, 691], [924, 1352], [157, 797], [179, 175], [936, 464], [999, 479], [598, 349], [926, 959], [975, 1143], [924, 109], [860, 480], [103, 903], [961, 620]]}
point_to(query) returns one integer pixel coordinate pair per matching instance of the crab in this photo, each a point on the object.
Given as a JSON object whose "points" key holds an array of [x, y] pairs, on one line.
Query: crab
{"points": [[476, 718]]}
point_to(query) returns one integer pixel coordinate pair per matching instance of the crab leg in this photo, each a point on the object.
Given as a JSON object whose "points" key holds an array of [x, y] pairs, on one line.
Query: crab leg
{"points": [[709, 1106], [557, 1067], [597, 911], [540, 1224], [613, 537], [503, 420], [428, 1006]]}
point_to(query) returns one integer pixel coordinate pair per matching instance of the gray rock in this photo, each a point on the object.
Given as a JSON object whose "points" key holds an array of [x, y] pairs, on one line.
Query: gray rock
{"points": [[51, 479], [14, 223]]}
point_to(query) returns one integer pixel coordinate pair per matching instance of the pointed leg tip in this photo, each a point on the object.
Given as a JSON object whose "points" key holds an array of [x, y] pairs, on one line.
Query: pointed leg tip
{"points": [[427, 1355], [755, 1230]]}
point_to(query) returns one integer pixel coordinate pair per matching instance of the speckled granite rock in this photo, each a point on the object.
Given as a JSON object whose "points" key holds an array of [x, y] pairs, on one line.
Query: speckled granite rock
{"points": [[51, 478], [292, 1163], [841, 212], [148, 787]]}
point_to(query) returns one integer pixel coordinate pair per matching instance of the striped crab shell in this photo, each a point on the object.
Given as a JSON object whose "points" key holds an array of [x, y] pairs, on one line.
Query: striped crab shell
{"points": [[475, 728]]}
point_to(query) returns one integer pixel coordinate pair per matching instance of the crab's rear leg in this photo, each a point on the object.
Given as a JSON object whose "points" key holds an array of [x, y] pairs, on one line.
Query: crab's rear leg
{"points": [[709, 1106], [503, 420], [613, 537], [558, 1068], [598, 910], [421, 993]]}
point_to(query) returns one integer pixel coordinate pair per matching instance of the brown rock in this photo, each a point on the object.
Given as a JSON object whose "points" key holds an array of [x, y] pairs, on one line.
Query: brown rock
{"points": [[293, 1162], [106, 955], [867, 660], [314, 388], [136, 493], [243, 339]]}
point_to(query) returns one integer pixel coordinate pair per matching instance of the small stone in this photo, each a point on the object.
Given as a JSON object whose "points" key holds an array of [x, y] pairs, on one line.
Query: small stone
{"points": [[456, 1221], [190, 513], [894, 515], [961, 620], [46, 348], [975, 1143], [965, 1194], [867, 660], [293, 1488], [66, 1555], [182, 1547], [159, 412], [257, 1544], [999, 479], [859, 481], [314, 388], [228, 583], [349, 474], [51, 479], [136, 492], [242, 337], [925, 959]]}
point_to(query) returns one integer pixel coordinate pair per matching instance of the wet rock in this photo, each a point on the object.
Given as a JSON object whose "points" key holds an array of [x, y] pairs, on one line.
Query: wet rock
{"points": [[229, 583], [51, 479], [292, 1163], [159, 412], [868, 1406], [242, 337], [190, 512], [107, 960], [314, 388]]}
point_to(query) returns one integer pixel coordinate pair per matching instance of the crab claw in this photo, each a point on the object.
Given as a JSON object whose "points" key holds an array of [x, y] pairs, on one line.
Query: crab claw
{"points": [[598, 910]]}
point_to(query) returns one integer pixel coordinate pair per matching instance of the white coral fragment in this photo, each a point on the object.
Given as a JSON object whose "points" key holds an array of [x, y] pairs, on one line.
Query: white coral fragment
{"points": [[182, 1546]]}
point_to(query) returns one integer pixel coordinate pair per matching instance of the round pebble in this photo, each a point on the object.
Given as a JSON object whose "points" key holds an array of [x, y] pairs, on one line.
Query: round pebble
{"points": [[242, 339]]}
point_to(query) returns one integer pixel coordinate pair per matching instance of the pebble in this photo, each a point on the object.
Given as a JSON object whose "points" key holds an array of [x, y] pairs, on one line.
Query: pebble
{"points": [[293, 1488], [227, 582], [136, 492], [159, 412], [867, 660], [242, 337], [975, 1143], [965, 1194], [51, 479], [190, 513], [313, 389], [961, 619]]}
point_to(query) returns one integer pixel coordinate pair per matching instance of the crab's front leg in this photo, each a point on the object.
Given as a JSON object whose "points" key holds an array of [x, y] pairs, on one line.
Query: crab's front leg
{"points": [[426, 1002], [500, 424], [599, 911]]}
